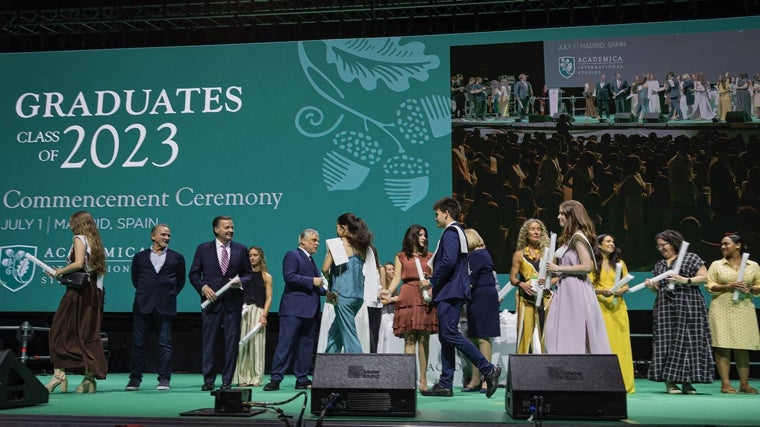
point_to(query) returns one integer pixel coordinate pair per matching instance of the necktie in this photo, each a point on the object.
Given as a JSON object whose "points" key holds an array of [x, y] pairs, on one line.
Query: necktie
{"points": [[225, 259]]}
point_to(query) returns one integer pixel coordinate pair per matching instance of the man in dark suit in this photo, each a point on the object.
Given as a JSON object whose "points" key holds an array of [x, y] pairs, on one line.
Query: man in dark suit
{"points": [[158, 275], [673, 92], [620, 93], [451, 289], [603, 97], [299, 308], [215, 264]]}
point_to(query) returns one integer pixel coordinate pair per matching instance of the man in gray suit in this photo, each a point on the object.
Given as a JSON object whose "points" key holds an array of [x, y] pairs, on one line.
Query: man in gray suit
{"points": [[523, 92], [620, 88]]}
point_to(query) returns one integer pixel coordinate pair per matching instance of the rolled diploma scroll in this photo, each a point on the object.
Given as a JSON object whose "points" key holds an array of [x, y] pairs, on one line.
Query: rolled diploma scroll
{"points": [[503, 292], [656, 278], [425, 293], [42, 265], [541, 273], [740, 276], [552, 250], [249, 334], [618, 271], [220, 291], [679, 261], [619, 284]]}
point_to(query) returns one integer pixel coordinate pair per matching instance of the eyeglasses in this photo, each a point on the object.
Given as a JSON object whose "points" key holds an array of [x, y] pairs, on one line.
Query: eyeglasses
{"points": [[658, 247]]}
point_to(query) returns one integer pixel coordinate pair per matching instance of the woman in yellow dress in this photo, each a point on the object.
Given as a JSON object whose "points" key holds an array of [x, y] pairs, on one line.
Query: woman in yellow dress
{"points": [[733, 323], [531, 241], [724, 96], [612, 304]]}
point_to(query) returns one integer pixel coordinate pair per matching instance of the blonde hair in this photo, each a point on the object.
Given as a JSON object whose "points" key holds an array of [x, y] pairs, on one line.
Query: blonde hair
{"points": [[474, 240], [522, 236]]}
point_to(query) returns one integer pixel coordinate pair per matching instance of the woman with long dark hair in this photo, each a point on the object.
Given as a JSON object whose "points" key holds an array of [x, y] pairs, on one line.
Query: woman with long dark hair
{"points": [[612, 304], [74, 338], [347, 282], [415, 318]]}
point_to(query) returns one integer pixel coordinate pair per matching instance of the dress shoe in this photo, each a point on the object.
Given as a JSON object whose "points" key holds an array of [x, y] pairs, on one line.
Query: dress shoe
{"points": [[671, 388], [88, 385], [303, 385], [688, 389], [207, 387], [437, 390], [59, 379], [226, 386], [492, 381], [272, 386], [133, 384]]}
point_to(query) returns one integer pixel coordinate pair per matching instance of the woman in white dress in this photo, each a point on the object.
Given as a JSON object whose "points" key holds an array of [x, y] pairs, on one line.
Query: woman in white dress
{"points": [[702, 108], [653, 85]]}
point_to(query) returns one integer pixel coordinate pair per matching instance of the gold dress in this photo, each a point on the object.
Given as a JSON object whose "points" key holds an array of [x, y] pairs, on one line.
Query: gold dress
{"points": [[527, 313], [615, 313]]}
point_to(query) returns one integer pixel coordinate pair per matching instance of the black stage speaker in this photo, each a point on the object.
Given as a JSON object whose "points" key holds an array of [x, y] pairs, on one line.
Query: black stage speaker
{"points": [[365, 384], [539, 118], [623, 118], [18, 385], [565, 386], [556, 116], [738, 117], [655, 118]]}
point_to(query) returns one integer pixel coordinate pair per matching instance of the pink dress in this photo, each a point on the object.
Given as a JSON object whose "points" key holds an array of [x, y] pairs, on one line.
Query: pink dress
{"points": [[574, 324]]}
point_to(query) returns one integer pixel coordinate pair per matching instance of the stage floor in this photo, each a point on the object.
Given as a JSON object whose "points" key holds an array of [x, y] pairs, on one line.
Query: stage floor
{"points": [[587, 126], [111, 405]]}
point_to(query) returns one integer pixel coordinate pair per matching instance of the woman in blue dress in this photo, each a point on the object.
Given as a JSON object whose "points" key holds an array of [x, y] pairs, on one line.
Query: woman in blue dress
{"points": [[347, 282], [483, 308]]}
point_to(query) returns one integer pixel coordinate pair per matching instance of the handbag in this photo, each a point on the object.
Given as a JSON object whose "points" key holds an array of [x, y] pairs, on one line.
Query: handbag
{"points": [[75, 280]]}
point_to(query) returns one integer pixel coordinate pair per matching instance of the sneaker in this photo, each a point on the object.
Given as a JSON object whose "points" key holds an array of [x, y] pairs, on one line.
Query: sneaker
{"points": [[134, 384], [163, 385]]}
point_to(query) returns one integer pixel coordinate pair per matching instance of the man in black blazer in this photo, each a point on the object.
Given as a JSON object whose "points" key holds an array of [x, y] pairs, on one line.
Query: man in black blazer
{"points": [[215, 264], [620, 91], [603, 97], [158, 275], [299, 309]]}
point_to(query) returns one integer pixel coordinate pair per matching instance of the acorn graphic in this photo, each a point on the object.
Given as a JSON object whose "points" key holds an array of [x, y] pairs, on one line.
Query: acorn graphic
{"points": [[346, 167], [406, 180], [418, 119]]}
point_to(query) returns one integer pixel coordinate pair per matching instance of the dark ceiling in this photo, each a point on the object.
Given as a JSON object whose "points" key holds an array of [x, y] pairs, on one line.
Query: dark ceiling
{"points": [[39, 25]]}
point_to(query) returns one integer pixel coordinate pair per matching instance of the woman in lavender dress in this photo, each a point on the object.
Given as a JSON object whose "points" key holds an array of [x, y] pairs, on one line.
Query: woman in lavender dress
{"points": [[575, 324]]}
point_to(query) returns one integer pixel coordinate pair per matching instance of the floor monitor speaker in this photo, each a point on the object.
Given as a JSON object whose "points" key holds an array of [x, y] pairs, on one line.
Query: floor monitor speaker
{"points": [[565, 386], [365, 384], [655, 118], [539, 118], [623, 118], [738, 117], [18, 385]]}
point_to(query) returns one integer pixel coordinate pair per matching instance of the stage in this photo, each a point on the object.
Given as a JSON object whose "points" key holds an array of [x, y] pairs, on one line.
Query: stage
{"points": [[111, 406], [584, 126]]}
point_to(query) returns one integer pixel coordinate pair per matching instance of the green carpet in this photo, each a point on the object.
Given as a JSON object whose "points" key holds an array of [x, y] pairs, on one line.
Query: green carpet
{"points": [[649, 405]]}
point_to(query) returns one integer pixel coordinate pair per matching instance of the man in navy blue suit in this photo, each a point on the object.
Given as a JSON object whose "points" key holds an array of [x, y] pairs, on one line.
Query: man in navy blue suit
{"points": [[215, 264], [158, 275], [451, 289], [299, 308]]}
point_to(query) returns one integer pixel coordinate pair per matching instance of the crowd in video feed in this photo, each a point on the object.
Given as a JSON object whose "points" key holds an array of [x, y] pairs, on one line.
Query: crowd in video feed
{"points": [[633, 186]]}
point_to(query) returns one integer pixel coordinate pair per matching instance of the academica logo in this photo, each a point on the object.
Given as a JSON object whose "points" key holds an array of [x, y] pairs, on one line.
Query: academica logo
{"points": [[17, 270], [566, 66]]}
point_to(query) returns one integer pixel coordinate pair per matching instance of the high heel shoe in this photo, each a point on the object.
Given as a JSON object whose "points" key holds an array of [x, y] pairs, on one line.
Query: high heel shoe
{"points": [[59, 378], [88, 385]]}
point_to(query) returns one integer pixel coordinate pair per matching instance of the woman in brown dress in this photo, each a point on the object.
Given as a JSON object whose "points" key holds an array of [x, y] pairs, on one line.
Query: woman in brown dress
{"points": [[75, 332], [415, 319], [588, 92]]}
